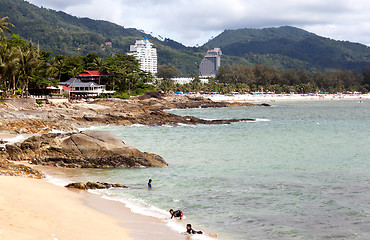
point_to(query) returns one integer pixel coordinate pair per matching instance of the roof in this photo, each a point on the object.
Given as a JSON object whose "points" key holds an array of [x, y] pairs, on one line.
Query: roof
{"points": [[75, 82], [90, 73], [65, 88]]}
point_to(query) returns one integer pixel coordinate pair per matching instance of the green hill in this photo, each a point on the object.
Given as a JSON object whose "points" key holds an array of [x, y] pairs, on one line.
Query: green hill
{"points": [[283, 47], [61, 33], [290, 47]]}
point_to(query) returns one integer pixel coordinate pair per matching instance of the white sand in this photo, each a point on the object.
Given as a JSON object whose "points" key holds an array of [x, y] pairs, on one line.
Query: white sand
{"points": [[35, 209], [285, 97]]}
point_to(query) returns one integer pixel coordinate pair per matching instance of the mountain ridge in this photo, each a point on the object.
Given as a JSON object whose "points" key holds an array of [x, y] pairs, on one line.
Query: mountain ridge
{"points": [[281, 47]]}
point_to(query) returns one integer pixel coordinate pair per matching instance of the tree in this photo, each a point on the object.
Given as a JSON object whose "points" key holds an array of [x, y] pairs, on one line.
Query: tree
{"points": [[9, 57], [99, 65], [126, 71], [28, 64], [5, 26], [167, 72], [57, 64]]}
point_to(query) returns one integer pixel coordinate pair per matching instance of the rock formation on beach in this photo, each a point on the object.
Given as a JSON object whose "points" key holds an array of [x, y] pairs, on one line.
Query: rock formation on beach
{"points": [[94, 185], [147, 110], [87, 149], [10, 169]]}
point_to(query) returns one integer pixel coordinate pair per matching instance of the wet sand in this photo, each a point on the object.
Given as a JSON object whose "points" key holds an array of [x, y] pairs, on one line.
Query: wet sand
{"points": [[36, 209]]}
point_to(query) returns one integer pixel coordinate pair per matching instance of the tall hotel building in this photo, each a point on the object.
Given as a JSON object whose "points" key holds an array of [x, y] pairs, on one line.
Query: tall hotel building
{"points": [[210, 63], [146, 54]]}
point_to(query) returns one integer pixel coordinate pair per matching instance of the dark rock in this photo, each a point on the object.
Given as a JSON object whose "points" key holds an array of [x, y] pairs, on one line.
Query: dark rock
{"points": [[78, 185], [88, 149], [94, 185], [265, 105], [148, 95]]}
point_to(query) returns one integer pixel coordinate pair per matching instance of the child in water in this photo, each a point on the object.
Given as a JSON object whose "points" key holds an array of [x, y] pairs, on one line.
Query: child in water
{"points": [[190, 230], [150, 183], [177, 213]]}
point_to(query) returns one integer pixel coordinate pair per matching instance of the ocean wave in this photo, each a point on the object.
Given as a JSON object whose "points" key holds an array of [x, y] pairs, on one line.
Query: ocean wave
{"points": [[262, 120], [138, 125], [57, 131], [57, 181], [92, 128], [139, 206]]}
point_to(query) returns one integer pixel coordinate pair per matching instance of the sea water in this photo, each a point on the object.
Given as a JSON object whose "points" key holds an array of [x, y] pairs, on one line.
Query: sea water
{"points": [[301, 171]]}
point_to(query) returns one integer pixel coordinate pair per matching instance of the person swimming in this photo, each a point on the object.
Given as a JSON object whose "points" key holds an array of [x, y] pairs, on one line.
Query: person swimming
{"points": [[177, 213], [190, 230]]}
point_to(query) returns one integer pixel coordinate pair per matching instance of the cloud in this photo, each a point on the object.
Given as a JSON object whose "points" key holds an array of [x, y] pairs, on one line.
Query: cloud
{"points": [[195, 21]]}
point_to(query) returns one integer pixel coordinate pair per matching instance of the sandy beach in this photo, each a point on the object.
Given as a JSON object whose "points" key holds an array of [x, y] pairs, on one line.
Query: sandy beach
{"points": [[36, 209], [285, 97]]}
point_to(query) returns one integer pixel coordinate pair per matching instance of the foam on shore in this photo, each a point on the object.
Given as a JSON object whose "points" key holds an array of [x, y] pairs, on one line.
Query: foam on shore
{"points": [[154, 220]]}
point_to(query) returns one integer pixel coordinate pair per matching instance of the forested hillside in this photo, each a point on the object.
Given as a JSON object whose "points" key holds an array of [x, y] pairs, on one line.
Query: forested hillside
{"points": [[290, 47], [60, 33], [282, 48]]}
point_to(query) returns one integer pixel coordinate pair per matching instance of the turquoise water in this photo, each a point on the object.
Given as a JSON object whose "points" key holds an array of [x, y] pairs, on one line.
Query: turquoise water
{"points": [[302, 171]]}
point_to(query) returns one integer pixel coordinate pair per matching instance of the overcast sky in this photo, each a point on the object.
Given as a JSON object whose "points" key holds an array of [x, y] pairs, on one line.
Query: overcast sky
{"points": [[192, 22]]}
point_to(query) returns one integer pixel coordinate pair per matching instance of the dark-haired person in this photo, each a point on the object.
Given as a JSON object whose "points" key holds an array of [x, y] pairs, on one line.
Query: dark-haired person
{"points": [[190, 230], [150, 184], [177, 213]]}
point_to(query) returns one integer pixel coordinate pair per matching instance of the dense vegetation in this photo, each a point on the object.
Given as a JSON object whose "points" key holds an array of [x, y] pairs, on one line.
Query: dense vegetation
{"points": [[24, 67], [262, 78], [283, 48], [63, 34], [292, 48]]}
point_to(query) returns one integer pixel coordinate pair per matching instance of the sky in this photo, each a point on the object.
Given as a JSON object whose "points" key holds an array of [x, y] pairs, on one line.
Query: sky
{"points": [[194, 22]]}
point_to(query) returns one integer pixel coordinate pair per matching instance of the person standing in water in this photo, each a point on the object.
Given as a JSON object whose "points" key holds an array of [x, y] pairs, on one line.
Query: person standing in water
{"points": [[150, 184]]}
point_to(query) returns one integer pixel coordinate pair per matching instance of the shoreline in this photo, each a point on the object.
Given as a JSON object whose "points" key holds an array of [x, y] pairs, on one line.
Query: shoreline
{"points": [[285, 97], [140, 226], [30, 213]]}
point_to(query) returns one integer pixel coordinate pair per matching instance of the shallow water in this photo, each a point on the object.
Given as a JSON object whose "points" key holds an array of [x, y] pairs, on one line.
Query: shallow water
{"points": [[300, 172]]}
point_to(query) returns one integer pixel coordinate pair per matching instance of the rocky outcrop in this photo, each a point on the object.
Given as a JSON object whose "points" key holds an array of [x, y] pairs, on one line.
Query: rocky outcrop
{"points": [[94, 185], [147, 109], [10, 169], [87, 149]]}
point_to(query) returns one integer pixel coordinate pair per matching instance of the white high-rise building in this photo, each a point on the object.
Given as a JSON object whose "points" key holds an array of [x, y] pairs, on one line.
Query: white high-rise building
{"points": [[146, 54]]}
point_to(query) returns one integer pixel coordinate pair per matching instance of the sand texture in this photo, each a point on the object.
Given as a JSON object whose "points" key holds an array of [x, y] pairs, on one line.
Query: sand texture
{"points": [[35, 209]]}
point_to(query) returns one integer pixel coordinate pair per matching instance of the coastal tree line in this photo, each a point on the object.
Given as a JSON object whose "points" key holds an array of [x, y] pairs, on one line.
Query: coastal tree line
{"points": [[261, 78], [24, 66]]}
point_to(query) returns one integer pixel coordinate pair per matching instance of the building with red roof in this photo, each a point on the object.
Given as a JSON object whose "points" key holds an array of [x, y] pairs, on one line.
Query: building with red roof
{"points": [[92, 75]]}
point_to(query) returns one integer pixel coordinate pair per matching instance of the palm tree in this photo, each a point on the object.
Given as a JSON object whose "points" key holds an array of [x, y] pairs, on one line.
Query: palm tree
{"points": [[99, 63], [74, 72], [9, 58], [5, 26], [58, 63], [28, 64]]}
